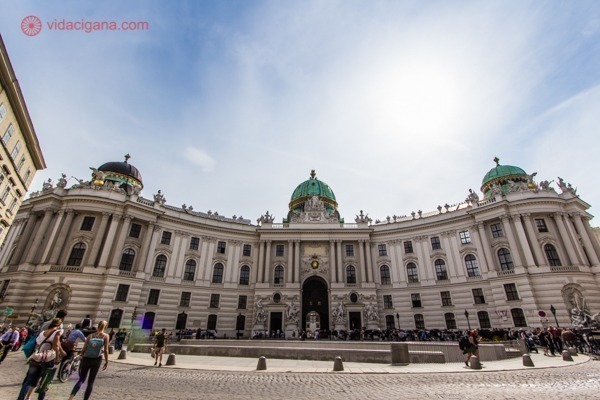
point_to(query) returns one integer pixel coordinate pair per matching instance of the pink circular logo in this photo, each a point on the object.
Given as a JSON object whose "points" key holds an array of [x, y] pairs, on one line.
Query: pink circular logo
{"points": [[31, 25]]}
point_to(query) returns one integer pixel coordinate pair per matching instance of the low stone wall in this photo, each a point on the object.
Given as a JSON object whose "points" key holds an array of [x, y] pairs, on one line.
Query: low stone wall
{"points": [[369, 352]]}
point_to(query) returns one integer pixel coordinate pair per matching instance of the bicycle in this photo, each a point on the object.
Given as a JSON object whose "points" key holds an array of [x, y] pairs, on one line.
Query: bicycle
{"points": [[70, 365]]}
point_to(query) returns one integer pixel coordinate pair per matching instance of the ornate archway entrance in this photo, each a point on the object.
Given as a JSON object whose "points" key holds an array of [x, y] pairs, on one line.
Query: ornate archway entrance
{"points": [[315, 299]]}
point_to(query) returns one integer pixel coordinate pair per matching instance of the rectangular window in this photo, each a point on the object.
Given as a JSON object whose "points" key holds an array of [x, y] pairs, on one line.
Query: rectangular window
{"points": [[484, 320], [4, 288], [465, 238], [27, 175], [184, 301], [242, 302], [446, 299], [153, 297], [135, 230], [419, 321], [16, 150], [2, 111], [349, 250], [416, 299], [8, 134], [5, 194], [166, 238], [88, 223], [478, 297], [496, 231], [122, 292], [382, 250], [20, 165], [13, 203], [511, 291], [541, 225], [194, 243], [247, 250], [279, 250], [387, 301], [408, 247], [214, 300], [221, 247], [435, 243]]}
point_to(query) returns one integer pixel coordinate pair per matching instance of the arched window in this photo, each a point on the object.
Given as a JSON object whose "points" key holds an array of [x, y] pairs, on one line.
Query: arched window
{"points": [[148, 321], [419, 321], [440, 270], [552, 256], [518, 317], [484, 320], [211, 322], [218, 273], [114, 321], [160, 265], [278, 275], [411, 273], [245, 275], [450, 320], [189, 273], [506, 263], [350, 274], [384, 272], [471, 264], [127, 260], [77, 253]]}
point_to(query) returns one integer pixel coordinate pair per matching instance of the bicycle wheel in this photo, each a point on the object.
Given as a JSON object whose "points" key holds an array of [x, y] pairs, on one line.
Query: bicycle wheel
{"points": [[64, 372]]}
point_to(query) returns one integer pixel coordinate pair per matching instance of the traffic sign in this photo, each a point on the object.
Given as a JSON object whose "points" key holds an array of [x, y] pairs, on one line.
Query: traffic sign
{"points": [[8, 311]]}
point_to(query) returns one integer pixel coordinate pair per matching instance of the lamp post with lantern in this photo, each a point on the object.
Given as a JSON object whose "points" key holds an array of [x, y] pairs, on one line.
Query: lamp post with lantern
{"points": [[468, 322], [133, 317], [35, 303], [553, 311]]}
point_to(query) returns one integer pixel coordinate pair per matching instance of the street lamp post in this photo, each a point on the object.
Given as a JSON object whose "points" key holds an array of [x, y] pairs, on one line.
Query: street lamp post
{"points": [[553, 311], [133, 317], [32, 310], [468, 323], [398, 319]]}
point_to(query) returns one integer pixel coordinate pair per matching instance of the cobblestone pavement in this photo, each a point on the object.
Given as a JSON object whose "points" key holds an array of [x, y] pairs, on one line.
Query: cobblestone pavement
{"points": [[123, 381]]}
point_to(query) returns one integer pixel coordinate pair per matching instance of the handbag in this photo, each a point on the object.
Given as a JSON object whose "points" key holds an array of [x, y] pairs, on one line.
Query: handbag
{"points": [[43, 356], [152, 353]]}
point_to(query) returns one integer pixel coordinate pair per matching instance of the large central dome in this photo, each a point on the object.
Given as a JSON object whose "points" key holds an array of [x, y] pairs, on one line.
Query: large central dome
{"points": [[310, 188]]}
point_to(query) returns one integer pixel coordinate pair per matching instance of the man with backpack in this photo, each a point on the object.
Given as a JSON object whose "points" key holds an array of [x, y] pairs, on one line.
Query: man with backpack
{"points": [[160, 345]]}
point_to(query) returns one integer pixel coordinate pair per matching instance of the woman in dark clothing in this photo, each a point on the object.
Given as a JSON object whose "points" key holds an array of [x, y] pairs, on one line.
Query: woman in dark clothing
{"points": [[95, 345]]}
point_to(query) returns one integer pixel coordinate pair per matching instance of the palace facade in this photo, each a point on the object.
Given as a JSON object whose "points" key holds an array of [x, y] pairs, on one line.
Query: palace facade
{"points": [[506, 260]]}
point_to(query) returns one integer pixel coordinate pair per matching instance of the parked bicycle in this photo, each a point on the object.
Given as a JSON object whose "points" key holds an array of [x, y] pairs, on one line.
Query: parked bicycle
{"points": [[70, 365]]}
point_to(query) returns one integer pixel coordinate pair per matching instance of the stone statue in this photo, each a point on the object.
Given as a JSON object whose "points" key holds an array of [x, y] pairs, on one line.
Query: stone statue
{"points": [[159, 198], [267, 218], [261, 315], [496, 190], [566, 187], [371, 313], [97, 175], [580, 315], [62, 182], [291, 313], [56, 300], [47, 185], [545, 185], [471, 197], [362, 218], [338, 314]]}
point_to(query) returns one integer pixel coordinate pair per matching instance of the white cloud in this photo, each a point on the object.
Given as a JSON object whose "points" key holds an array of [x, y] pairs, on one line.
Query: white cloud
{"points": [[200, 158]]}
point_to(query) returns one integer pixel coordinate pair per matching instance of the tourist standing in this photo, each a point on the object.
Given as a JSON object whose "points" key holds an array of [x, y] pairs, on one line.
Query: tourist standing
{"points": [[160, 345], [95, 344]]}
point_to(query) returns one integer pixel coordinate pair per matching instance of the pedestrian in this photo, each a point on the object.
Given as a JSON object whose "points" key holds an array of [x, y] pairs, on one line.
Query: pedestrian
{"points": [[95, 344], [46, 340], [160, 345], [87, 322], [61, 314]]}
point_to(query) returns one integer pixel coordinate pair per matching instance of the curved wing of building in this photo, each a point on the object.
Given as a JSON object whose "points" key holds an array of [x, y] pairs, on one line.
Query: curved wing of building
{"points": [[100, 248]]}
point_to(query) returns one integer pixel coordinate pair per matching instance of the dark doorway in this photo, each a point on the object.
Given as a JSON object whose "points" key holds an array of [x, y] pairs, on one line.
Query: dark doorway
{"points": [[315, 297], [355, 320], [148, 322], [181, 321], [276, 321]]}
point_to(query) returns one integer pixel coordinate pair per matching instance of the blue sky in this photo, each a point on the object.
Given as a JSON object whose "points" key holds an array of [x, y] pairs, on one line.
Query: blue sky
{"points": [[398, 105]]}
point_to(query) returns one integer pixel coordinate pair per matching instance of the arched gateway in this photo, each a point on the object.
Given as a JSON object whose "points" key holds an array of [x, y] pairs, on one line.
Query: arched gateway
{"points": [[315, 304]]}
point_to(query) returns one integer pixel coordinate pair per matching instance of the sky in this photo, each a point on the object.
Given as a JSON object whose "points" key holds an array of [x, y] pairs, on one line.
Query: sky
{"points": [[399, 106]]}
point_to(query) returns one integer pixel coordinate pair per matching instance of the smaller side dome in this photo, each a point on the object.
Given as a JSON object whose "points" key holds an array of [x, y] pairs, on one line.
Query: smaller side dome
{"points": [[501, 175], [123, 174]]}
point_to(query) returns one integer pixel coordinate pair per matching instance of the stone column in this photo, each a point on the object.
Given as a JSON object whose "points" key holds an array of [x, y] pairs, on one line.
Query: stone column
{"points": [[560, 223], [62, 237], [486, 262], [297, 266], [590, 235], [529, 262], [514, 248], [332, 264], [453, 257], [290, 271], [25, 239], [153, 242], [117, 245], [36, 244], [234, 266], [424, 266], [53, 229], [112, 230], [255, 262], [97, 241], [204, 241], [140, 260], [209, 258], [176, 261], [369, 262], [229, 266], [261, 262], [339, 261], [9, 239], [537, 251], [362, 267], [587, 243], [268, 263], [397, 262]]}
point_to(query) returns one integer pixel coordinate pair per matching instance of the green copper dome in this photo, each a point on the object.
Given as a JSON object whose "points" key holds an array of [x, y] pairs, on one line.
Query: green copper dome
{"points": [[310, 188], [501, 174]]}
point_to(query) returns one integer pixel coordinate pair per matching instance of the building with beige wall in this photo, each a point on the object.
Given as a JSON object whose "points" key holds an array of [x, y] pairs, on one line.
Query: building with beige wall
{"points": [[100, 248], [20, 153]]}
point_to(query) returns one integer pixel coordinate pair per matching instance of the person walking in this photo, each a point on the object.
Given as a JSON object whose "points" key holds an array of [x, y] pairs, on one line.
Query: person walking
{"points": [[95, 344], [160, 345], [9, 340], [46, 340]]}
